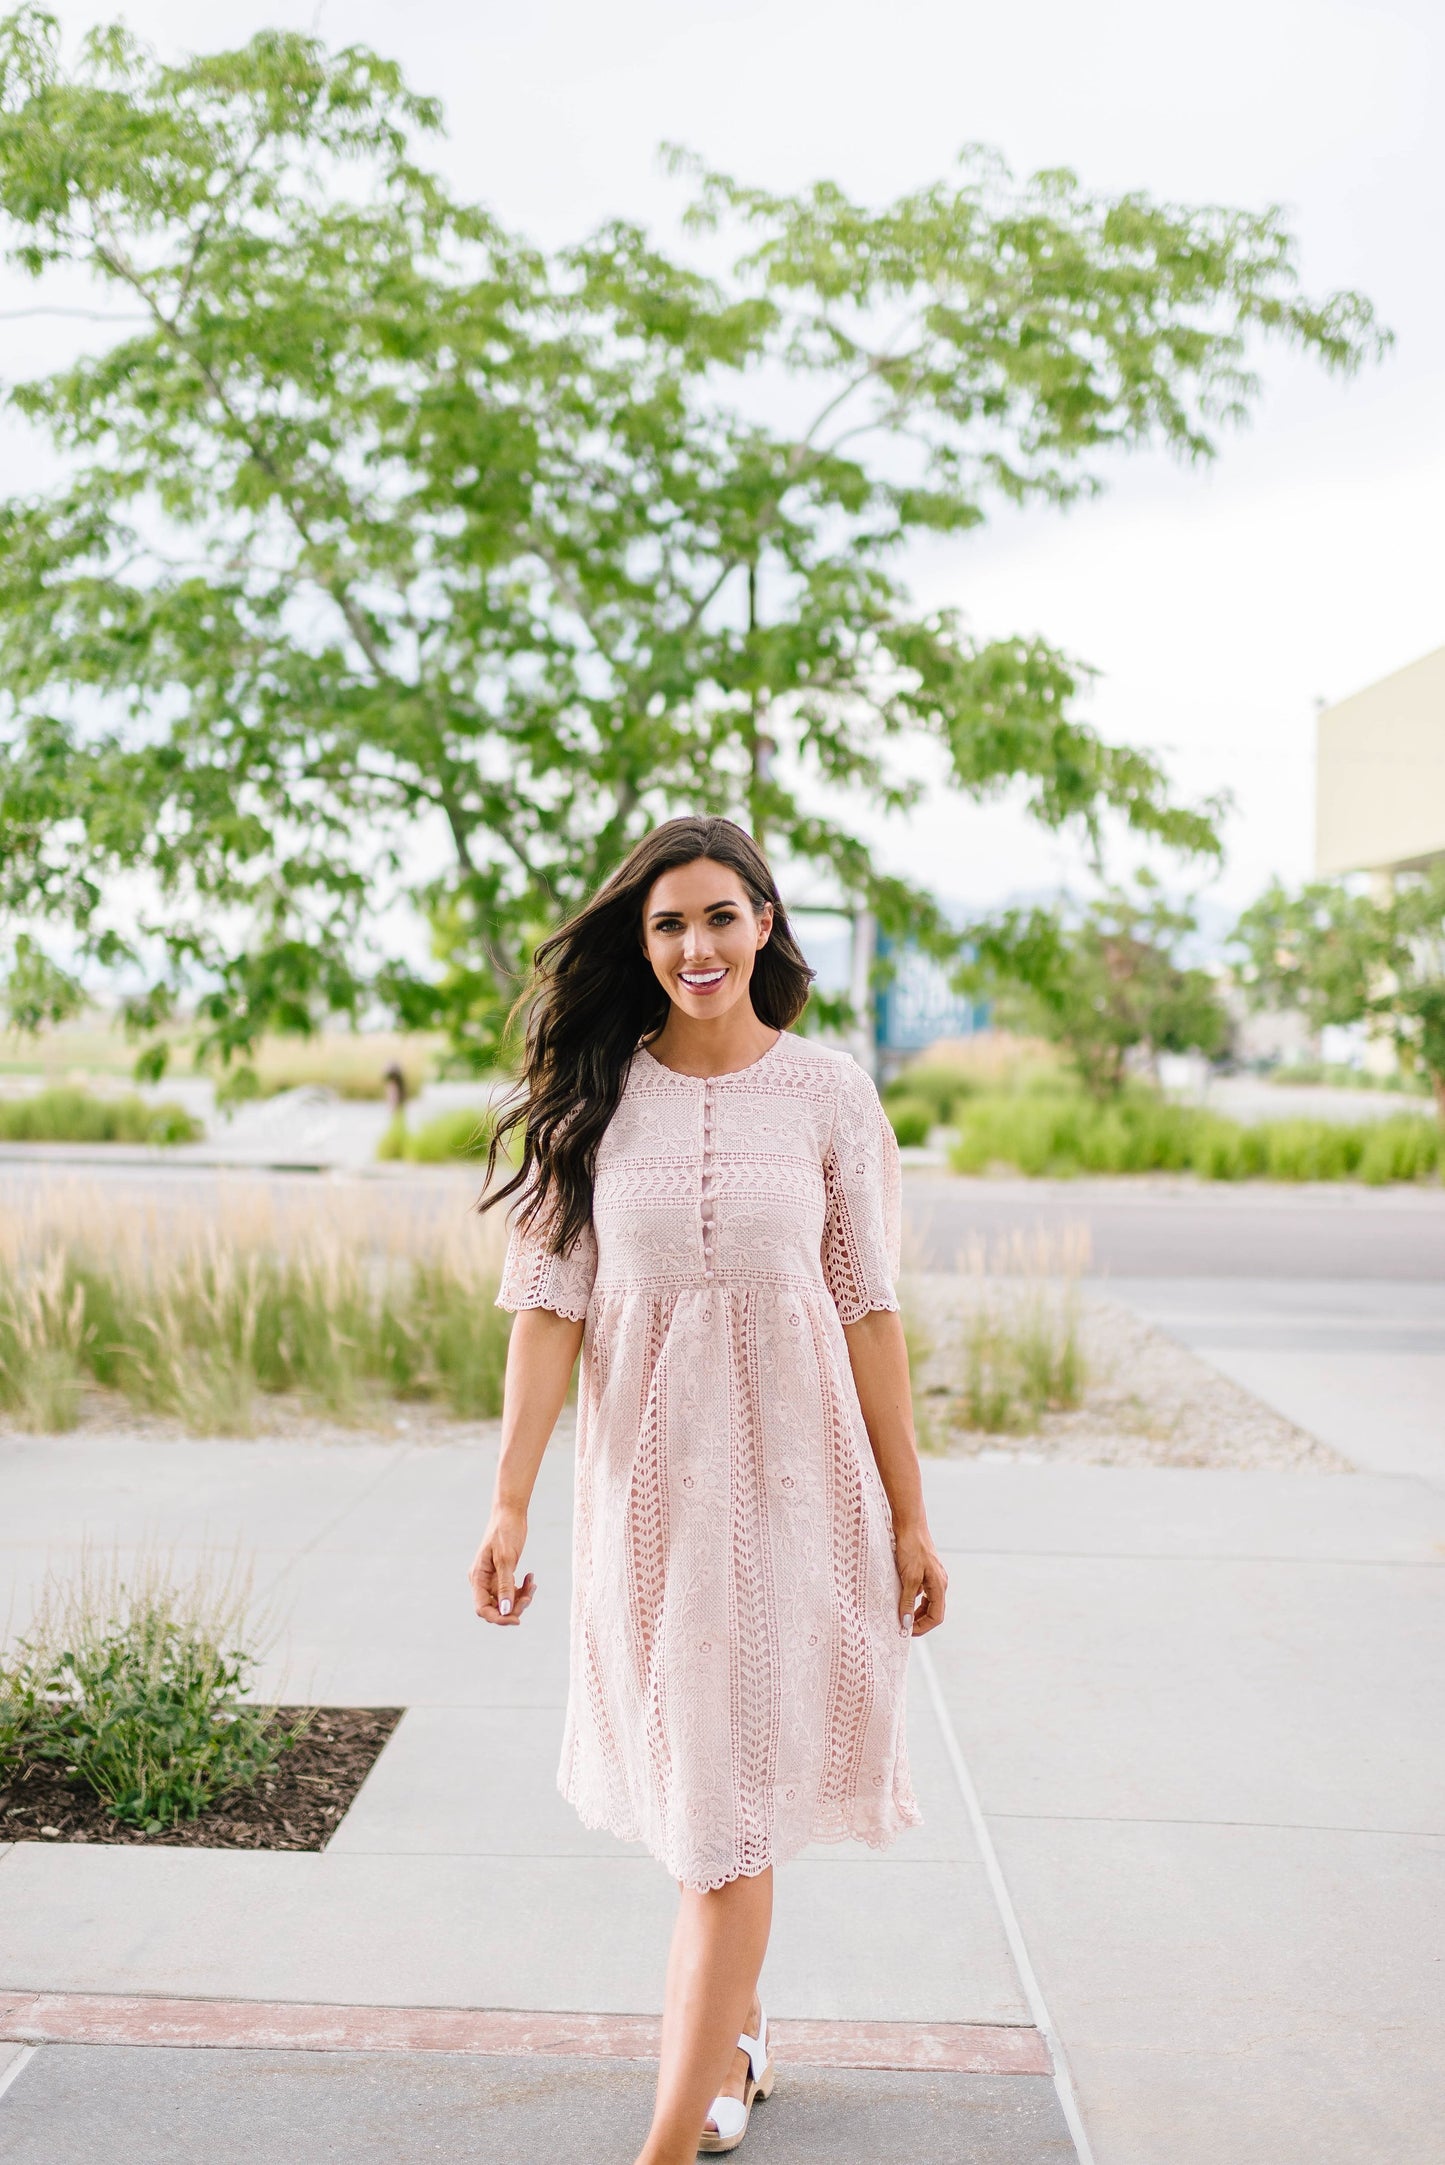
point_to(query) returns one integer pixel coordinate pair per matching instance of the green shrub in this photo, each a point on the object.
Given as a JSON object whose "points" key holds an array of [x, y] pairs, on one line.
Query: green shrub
{"points": [[1225, 1150], [140, 1691], [463, 1133], [64, 1115], [1062, 1134], [937, 1085], [1310, 1149], [1056, 1133], [1401, 1149], [913, 1120]]}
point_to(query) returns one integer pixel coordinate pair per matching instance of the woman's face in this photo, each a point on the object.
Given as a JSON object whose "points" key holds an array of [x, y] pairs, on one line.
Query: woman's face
{"points": [[701, 934]]}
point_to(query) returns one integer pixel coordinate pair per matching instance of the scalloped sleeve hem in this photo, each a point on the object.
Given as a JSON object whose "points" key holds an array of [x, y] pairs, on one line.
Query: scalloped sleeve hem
{"points": [[532, 1277], [874, 1307]]}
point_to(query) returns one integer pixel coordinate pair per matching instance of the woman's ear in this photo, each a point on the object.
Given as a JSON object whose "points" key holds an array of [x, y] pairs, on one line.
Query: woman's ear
{"points": [[765, 924]]}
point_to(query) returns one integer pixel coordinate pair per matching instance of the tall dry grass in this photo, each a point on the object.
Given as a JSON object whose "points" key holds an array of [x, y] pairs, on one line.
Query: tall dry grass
{"points": [[1022, 1346], [340, 1297], [997, 1344]]}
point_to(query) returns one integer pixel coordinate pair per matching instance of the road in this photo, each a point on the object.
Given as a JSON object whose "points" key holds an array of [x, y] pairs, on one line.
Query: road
{"points": [[1148, 1228], [1137, 1228]]}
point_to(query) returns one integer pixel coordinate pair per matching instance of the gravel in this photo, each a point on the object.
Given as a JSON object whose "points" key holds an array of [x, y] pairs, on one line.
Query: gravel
{"points": [[1146, 1401]]}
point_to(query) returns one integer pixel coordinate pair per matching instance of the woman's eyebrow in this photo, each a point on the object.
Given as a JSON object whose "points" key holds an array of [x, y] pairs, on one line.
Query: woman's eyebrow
{"points": [[730, 903]]}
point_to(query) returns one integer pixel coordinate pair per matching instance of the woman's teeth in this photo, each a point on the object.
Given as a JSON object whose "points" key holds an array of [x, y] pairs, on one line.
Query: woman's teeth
{"points": [[702, 980]]}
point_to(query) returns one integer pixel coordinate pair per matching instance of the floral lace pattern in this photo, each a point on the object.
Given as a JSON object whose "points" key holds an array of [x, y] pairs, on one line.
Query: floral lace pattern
{"points": [[737, 1667]]}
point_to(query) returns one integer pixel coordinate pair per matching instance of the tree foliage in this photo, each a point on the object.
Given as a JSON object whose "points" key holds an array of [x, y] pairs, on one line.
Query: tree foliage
{"points": [[1103, 982], [1338, 956], [399, 560]]}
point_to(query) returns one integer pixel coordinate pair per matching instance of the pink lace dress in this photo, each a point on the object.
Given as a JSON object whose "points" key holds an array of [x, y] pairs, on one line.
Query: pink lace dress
{"points": [[737, 1665]]}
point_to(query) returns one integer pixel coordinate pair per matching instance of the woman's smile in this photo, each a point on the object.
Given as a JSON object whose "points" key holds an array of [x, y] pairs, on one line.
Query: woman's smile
{"points": [[702, 932]]}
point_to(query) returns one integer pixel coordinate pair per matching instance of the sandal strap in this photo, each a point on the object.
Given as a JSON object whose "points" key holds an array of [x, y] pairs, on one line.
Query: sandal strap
{"points": [[756, 2048], [729, 2116]]}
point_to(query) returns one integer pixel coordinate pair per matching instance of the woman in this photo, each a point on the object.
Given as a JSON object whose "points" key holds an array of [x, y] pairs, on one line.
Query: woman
{"points": [[708, 1210]]}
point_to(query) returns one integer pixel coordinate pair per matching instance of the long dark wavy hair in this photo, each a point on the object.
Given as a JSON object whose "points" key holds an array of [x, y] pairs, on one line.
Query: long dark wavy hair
{"points": [[593, 999]]}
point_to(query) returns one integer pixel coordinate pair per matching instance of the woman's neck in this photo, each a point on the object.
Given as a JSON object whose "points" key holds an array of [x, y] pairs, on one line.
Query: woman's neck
{"points": [[717, 1046]]}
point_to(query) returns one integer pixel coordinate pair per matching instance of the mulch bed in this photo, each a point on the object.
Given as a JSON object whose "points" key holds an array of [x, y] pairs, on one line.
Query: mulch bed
{"points": [[299, 1804]]}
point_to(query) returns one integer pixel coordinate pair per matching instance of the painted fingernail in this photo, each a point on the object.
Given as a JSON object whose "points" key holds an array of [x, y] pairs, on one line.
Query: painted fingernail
{"points": [[505, 1607]]}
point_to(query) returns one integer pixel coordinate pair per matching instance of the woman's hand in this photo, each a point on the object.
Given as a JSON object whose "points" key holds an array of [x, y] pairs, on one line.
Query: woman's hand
{"points": [[922, 1581], [496, 1596]]}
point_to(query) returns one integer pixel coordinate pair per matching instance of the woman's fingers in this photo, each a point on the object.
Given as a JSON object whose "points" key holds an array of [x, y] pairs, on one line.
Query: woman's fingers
{"points": [[484, 1581], [910, 1586], [496, 1596], [930, 1611], [922, 1585]]}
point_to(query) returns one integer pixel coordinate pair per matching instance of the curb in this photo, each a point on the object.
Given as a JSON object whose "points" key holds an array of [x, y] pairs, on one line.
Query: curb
{"points": [[82, 2018]]}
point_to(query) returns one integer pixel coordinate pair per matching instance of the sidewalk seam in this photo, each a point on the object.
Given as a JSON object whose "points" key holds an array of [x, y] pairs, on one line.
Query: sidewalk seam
{"points": [[1008, 1916], [17, 2066], [1158, 1819]]}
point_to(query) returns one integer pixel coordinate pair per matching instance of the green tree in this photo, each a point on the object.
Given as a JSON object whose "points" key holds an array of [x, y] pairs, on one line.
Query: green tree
{"points": [[1103, 982], [1337, 956], [397, 560]]}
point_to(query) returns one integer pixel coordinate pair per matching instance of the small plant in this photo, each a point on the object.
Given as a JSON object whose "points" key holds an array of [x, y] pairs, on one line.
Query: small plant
{"points": [[463, 1133], [919, 1341], [63, 1115], [140, 1689], [913, 1120], [988, 1399], [1022, 1359], [1017, 1353]]}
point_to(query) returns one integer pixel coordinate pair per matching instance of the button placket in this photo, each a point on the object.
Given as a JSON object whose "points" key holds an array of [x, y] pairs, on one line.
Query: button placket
{"points": [[706, 1200]]}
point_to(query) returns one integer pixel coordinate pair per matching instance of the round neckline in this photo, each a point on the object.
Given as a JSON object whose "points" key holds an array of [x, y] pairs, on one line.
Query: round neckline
{"points": [[728, 1074]]}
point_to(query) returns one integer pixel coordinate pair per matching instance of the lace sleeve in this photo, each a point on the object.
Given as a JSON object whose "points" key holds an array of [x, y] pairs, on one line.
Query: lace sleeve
{"points": [[532, 1277], [862, 1228]]}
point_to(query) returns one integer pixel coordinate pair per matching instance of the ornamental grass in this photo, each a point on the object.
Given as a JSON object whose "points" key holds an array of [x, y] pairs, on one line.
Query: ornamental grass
{"points": [[342, 1301]]}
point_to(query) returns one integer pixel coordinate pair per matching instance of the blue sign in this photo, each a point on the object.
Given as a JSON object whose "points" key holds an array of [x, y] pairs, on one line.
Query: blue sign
{"points": [[918, 1005]]}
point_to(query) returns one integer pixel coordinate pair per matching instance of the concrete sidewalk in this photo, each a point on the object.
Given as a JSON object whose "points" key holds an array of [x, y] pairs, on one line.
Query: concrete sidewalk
{"points": [[129, 2107], [1358, 1363], [1188, 1708]]}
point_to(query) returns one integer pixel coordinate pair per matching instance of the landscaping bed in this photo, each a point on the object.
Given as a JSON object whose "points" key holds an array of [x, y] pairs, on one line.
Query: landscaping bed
{"points": [[298, 1804], [1036, 1368]]}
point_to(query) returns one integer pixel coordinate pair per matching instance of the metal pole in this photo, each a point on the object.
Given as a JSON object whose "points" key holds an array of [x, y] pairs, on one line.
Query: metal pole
{"points": [[860, 990]]}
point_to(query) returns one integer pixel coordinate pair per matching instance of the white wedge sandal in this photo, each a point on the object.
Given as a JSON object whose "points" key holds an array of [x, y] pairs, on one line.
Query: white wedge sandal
{"points": [[729, 2115]]}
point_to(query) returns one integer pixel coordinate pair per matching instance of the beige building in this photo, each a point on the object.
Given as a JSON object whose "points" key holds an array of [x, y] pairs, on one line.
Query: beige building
{"points": [[1380, 774]]}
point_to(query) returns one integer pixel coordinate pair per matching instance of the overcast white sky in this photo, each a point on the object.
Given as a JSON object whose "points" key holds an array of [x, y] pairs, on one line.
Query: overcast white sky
{"points": [[1217, 606]]}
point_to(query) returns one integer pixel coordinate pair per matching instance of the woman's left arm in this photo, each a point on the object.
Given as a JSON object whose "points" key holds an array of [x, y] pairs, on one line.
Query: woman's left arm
{"points": [[879, 1360]]}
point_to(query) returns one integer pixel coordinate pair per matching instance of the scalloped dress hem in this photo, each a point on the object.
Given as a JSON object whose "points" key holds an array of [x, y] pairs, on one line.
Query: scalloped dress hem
{"points": [[780, 1852]]}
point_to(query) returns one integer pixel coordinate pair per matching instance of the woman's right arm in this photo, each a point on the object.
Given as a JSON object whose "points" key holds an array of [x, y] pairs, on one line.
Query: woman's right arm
{"points": [[540, 1359]]}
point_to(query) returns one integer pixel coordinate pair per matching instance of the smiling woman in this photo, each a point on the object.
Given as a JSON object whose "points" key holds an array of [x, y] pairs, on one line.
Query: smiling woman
{"points": [[709, 1213], [703, 933]]}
